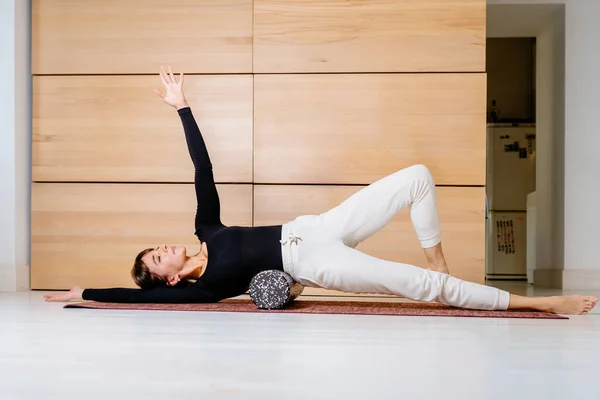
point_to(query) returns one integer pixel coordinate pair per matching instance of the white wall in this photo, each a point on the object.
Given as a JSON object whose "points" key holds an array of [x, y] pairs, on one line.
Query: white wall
{"points": [[575, 251], [582, 143], [15, 143], [550, 116]]}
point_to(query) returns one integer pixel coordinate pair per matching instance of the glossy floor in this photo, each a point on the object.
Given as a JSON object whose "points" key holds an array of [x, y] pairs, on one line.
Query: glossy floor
{"points": [[47, 352]]}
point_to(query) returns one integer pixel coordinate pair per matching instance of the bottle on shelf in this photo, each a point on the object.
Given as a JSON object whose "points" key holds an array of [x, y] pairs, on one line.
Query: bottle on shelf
{"points": [[494, 115]]}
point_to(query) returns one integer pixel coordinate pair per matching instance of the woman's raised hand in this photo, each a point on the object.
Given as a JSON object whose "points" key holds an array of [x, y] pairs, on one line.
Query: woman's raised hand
{"points": [[173, 95]]}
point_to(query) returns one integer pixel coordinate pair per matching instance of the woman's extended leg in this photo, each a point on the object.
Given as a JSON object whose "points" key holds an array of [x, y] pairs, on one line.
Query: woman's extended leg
{"points": [[339, 267], [370, 209]]}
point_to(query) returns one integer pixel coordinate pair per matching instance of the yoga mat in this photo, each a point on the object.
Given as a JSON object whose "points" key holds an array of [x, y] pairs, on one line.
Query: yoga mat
{"points": [[326, 307]]}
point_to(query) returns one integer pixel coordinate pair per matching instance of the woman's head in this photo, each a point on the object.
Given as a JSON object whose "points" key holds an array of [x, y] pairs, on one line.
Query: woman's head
{"points": [[158, 266]]}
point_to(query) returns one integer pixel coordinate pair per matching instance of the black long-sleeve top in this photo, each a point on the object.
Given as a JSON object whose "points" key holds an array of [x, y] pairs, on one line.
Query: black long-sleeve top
{"points": [[235, 253]]}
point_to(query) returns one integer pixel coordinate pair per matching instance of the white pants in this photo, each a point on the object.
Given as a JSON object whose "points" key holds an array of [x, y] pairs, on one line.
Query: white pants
{"points": [[318, 250]]}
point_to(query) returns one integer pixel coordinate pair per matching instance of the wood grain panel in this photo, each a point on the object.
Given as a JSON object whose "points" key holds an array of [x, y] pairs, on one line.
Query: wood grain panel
{"points": [[137, 36], [369, 36], [89, 234], [461, 213], [358, 128], [115, 128]]}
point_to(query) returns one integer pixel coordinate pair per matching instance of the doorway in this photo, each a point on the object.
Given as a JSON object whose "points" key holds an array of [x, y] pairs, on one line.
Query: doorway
{"points": [[525, 159]]}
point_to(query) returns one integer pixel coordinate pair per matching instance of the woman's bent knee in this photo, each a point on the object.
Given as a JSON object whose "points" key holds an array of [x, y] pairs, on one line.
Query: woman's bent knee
{"points": [[420, 171]]}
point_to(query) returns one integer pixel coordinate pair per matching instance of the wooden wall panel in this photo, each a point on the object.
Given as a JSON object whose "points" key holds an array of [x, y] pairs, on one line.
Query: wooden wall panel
{"points": [[369, 36], [89, 234], [137, 36], [461, 212], [97, 120], [115, 128], [357, 128]]}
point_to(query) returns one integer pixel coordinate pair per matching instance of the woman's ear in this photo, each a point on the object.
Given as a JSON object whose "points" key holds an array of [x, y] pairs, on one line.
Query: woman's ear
{"points": [[174, 280]]}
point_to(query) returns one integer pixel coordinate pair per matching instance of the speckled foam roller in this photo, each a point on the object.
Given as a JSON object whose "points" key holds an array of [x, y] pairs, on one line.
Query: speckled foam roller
{"points": [[274, 289]]}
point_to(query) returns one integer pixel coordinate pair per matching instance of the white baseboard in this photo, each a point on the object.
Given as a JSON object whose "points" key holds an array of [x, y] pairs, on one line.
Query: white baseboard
{"points": [[7, 279], [581, 279], [570, 279], [23, 279], [15, 279], [548, 278]]}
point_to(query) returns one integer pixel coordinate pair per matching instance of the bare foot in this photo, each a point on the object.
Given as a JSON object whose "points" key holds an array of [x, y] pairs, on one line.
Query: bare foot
{"points": [[571, 304]]}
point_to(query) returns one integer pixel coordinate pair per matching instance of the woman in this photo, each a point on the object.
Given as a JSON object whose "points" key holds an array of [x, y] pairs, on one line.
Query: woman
{"points": [[316, 250]]}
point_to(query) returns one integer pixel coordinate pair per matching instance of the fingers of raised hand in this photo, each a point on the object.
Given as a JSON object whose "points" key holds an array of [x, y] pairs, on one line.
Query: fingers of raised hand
{"points": [[167, 77], [163, 76], [171, 77]]}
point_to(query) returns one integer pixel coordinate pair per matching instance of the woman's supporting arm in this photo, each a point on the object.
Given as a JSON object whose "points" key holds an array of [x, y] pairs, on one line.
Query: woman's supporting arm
{"points": [[188, 294]]}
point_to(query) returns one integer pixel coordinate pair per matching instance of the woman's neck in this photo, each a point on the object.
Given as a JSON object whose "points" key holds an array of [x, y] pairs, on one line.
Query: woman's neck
{"points": [[196, 265]]}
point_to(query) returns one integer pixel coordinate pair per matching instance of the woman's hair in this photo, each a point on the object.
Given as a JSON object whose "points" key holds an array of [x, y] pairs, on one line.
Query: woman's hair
{"points": [[141, 274]]}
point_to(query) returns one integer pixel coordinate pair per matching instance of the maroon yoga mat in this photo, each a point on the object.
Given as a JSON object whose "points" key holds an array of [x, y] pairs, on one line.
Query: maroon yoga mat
{"points": [[326, 307]]}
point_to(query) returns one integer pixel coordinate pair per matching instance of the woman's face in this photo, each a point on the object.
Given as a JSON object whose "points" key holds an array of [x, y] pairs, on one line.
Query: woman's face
{"points": [[165, 261]]}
